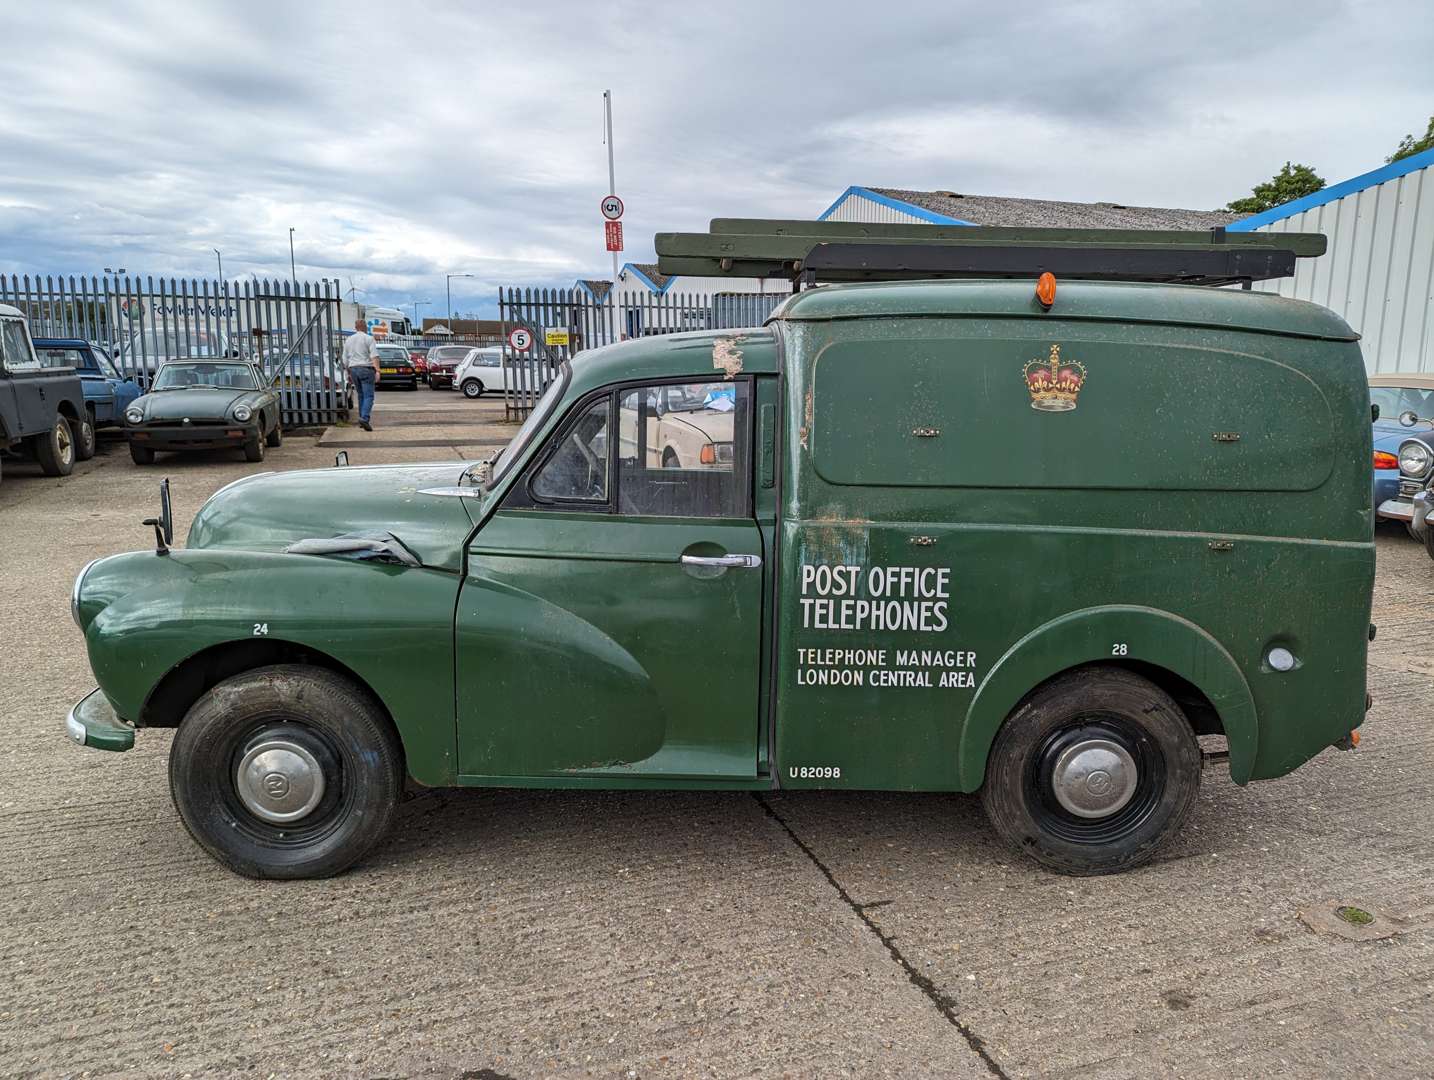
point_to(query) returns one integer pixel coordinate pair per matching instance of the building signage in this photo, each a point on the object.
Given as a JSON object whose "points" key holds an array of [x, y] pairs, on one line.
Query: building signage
{"points": [[614, 235], [555, 335]]}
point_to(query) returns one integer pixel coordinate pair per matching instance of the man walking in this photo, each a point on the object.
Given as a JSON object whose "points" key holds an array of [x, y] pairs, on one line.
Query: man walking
{"points": [[361, 359]]}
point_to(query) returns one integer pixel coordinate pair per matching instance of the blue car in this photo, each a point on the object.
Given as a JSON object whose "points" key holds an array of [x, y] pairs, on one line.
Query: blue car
{"points": [[1401, 471], [107, 392]]}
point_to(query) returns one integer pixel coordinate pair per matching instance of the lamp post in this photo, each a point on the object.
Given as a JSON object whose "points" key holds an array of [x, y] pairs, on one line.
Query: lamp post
{"points": [[220, 256], [450, 278], [415, 304], [293, 272]]}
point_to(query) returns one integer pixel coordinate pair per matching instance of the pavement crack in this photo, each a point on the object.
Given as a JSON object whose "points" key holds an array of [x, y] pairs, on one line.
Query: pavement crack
{"points": [[945, 1004]]}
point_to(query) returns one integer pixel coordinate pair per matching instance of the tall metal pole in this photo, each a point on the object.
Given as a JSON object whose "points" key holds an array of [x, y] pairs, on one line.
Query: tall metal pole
{"points": [[220, 256], [293, 273], [611, 174], [449, 284]]}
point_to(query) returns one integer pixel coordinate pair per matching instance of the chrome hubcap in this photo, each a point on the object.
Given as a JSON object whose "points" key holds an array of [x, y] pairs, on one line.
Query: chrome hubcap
{"points": [[62, 437], [279, 781], [1094, 778]]}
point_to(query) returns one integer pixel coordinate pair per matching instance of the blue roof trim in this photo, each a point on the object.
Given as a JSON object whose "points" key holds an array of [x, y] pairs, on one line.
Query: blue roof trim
{"points": [[659, 289], [1382, 175], [895, 204]]}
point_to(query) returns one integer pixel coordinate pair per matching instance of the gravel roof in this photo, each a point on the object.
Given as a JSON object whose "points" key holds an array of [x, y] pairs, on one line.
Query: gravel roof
{"points": [[654, 275], [1050, 214]]}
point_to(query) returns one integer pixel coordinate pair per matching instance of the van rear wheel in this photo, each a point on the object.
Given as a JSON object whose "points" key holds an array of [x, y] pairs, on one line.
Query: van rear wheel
{"points": [[287, 771], [1093, 773]]}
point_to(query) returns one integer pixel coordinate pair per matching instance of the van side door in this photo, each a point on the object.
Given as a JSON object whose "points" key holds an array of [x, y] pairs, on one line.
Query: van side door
{"points": [[611, 620]]}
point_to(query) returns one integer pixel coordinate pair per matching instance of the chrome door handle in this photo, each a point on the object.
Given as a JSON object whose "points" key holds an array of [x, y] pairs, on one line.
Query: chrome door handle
{"points": [[748, 561]]}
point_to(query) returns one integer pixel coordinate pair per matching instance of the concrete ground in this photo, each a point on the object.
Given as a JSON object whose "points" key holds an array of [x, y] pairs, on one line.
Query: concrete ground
{"points": [[526, 934]]}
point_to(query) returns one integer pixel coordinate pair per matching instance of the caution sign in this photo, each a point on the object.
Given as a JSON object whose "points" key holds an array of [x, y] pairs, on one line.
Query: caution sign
{"points": [[555, 335]]}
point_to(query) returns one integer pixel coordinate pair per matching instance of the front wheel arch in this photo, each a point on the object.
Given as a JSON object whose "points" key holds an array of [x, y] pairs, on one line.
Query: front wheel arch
{"points": [[193, 677], [1165, 648]]}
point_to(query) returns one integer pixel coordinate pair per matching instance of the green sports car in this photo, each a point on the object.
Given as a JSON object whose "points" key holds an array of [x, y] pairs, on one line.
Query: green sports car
{"points": [[202, 405]]}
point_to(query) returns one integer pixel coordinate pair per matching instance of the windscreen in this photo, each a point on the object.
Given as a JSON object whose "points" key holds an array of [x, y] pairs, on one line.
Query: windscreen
{"points": [[219, 376]]}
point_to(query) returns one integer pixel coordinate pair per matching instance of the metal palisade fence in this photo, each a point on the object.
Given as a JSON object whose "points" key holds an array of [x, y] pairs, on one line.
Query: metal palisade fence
{"points": [[553, 325], [290, 329]]}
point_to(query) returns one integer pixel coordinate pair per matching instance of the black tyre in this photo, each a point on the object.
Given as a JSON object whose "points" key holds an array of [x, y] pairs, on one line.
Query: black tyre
{"points": [[286, 772], [669, 459], [1428, 538], [254, 449], [84, 436], [1092, 773], [472, 388], [1409, 528], [141, 455], [276, 437], [55, 450]]}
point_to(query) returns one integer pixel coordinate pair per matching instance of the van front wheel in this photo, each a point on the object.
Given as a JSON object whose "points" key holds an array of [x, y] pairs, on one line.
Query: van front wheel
{"points": [[288, 771], [1093, 773]]}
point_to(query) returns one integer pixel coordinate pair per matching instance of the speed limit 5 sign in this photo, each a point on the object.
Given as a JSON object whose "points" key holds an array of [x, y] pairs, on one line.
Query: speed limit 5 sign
{"points": [[520, 339], [612, 208]]}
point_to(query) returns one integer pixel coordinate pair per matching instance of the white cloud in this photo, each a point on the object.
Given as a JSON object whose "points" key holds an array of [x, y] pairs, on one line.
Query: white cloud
{"points": [[403, 143]]}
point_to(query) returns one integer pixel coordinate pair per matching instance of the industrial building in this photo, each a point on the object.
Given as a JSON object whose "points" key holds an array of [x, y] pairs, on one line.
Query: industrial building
{"points": [[1379, 270]]}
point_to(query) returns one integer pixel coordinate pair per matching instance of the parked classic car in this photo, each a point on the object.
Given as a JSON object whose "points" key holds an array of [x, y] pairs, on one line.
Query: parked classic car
{"points": [[443, 361], [866, 590], [204, 405], [679, 427], [1403, 452], [395, 368], [107, 392], [419, 359], [42, 409], [481, 371]]}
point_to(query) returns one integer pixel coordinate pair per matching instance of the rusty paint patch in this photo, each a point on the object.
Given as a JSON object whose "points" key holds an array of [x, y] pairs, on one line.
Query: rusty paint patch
{"points": [[727, 355], [806, 427], [836, 539]]}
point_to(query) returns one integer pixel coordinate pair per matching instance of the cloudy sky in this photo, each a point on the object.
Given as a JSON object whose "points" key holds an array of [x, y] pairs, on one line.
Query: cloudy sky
{"points": [[404, 142]]}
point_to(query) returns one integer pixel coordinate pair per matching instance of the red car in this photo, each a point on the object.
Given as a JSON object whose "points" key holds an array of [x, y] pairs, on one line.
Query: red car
{"points": [[443, 361], [419, 359]]}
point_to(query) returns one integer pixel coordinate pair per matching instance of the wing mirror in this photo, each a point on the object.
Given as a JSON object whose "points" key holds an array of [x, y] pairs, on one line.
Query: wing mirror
{"points": [[1408, 417], [164, 524]]}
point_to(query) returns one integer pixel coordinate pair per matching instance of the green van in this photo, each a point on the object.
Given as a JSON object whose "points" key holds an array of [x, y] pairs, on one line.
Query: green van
{"points": [[912, 535]]}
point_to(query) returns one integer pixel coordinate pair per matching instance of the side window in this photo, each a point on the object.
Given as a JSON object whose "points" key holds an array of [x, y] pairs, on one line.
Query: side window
{"points": [[577, 471], [682, 449], [16, 345]]}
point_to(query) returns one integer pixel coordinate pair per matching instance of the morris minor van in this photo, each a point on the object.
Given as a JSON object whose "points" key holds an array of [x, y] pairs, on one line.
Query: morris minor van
{"points": [[1040, 558]]}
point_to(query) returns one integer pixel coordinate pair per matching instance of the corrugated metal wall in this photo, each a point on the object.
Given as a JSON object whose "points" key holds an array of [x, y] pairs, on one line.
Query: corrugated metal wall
{"points": [[860, 208], [1379, 270]]}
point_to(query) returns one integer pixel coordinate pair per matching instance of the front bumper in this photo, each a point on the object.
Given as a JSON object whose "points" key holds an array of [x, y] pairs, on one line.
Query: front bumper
{"points": [[1419, 522], [92, 722], [192, 436], [1396, 510], [441, 378]]}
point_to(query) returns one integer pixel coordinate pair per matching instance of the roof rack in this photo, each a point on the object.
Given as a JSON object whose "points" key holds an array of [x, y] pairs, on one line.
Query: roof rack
{"points": [[809, 252]]}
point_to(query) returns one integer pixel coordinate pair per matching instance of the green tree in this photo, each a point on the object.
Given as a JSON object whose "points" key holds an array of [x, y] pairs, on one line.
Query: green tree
{"points": [[1291, 182], [1409, 145]]}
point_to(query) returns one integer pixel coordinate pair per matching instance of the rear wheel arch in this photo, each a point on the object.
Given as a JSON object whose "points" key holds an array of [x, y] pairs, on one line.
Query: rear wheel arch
{"points": [[193, 677], [1173, 653]]}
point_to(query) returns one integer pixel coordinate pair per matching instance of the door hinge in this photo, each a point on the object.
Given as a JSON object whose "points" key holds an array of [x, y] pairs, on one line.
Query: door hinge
{"points": [[1226, 436], [1222, 545], [926, 432]]}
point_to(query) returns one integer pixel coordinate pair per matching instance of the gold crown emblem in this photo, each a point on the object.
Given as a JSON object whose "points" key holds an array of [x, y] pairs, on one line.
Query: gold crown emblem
{"points": [[1054, 383]]}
